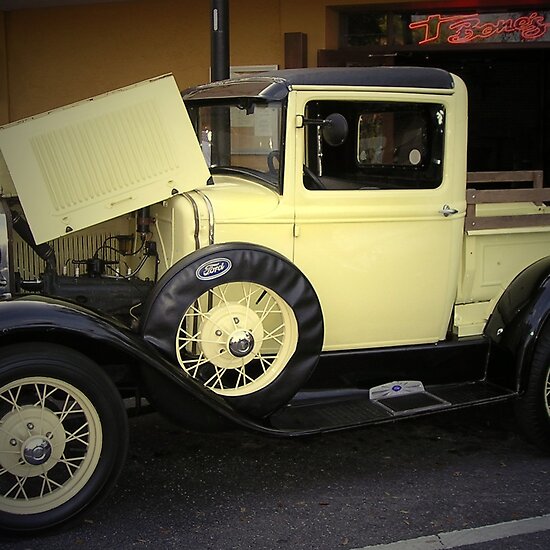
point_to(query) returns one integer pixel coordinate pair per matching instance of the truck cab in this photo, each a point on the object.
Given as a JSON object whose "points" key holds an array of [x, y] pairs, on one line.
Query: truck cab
{"points": [[356, 211]]}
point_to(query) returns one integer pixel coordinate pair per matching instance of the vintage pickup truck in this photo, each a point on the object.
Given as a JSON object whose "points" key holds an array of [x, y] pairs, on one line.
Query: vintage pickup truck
{"points": [[292, 253]]}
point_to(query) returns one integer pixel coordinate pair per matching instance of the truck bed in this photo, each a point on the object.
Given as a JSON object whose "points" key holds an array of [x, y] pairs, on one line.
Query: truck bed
{"points": [[507, 228]]}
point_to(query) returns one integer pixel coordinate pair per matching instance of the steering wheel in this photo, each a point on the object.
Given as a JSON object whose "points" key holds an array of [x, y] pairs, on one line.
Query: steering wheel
{"points": [[271, 158]]}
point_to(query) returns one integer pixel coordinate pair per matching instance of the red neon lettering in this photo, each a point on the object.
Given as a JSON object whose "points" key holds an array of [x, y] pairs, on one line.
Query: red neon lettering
{"points": [[467, 28], [464, 30], [429, 21]]}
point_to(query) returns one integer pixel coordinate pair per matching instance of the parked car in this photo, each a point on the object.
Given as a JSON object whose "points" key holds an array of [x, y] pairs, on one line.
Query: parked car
{"points": [[293, 253]]}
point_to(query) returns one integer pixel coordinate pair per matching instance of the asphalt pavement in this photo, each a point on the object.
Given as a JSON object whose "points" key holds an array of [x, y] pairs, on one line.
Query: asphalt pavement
{"points": [[235, 490]]}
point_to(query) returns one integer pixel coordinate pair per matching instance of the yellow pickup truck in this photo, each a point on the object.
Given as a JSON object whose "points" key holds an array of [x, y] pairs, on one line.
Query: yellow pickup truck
{"points": [[293, 252]]}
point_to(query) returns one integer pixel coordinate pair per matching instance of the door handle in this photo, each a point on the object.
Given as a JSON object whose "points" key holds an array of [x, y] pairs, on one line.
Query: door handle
{"points": [[448, 211]]}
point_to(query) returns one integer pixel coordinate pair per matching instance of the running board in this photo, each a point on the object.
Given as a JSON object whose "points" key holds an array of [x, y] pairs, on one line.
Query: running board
{"points": [[328, 410]]}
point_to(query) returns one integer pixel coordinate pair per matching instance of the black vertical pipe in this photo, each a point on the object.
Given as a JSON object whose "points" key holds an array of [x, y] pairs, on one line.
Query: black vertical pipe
{"points": [[221, 123], [220, 40]]}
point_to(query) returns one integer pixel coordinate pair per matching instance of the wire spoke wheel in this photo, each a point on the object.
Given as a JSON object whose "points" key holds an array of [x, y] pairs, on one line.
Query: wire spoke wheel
{"points": [[63, 435], [50, 444], [236, 338]]}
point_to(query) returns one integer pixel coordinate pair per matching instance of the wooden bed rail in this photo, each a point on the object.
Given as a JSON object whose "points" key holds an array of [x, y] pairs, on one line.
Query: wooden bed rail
{"points": [[536, 194]]}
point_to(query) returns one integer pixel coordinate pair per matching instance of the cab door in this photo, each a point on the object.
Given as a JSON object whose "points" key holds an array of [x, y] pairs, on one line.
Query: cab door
{"points": [[379, 217]]}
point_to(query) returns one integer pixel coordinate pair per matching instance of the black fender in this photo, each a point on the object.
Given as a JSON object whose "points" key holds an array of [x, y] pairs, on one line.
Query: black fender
{"points": [[517, 322], [32, 318]]}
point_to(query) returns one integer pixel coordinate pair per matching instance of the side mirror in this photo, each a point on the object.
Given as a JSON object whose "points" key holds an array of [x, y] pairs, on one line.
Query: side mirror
{"points": [[335, 129]]}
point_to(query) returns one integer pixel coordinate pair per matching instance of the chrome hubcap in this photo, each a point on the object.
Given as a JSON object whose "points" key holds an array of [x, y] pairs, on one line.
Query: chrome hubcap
{"points": [[241, 343], [36, 450]]}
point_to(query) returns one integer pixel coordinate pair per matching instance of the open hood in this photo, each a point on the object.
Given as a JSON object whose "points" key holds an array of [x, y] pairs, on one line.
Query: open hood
{"points": [[92, 161]]}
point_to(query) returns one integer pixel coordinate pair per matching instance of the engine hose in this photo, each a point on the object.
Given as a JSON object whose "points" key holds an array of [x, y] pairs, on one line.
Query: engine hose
{"points": [[44, 250]]}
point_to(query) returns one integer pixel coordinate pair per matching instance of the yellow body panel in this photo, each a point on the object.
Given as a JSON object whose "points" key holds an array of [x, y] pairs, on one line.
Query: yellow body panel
{"points": [[250, 212], [384, 263], [491, 259], [229, 211]]}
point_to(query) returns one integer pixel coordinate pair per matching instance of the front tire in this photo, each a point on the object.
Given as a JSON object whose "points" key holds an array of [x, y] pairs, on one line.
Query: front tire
{"points": [[63, 439], [533, 407]]}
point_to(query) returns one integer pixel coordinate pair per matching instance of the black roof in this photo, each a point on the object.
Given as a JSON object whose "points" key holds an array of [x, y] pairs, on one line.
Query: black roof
{"points": [[275, 85], [409, 77]]}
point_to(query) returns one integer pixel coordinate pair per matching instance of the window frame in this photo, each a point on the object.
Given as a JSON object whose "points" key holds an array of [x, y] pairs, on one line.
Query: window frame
{"points": [[428, 174]]}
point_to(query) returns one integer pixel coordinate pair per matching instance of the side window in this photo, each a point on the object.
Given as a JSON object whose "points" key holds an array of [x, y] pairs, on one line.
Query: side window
{"points": [[390, 145]]}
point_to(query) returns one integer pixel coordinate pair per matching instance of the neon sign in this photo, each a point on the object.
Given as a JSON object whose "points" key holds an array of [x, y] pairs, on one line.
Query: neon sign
{"points": [[462, 29]]}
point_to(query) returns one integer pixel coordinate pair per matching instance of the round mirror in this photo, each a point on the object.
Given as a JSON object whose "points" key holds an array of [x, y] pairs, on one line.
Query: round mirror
{"points": [[335, 129]]}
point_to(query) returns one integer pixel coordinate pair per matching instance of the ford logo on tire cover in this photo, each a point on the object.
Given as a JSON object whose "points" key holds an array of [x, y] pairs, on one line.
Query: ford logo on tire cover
{"points": [[212, 269]]}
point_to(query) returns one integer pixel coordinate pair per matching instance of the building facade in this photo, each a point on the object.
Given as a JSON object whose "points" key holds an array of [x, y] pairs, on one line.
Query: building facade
{"points": [[56, 52]]}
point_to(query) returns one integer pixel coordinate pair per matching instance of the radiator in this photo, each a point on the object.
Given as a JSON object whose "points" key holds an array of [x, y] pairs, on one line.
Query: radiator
{"points": [[77, 246]]}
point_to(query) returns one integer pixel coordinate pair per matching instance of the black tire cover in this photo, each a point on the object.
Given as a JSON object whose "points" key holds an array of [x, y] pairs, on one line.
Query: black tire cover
{"points": [[180, 286]]}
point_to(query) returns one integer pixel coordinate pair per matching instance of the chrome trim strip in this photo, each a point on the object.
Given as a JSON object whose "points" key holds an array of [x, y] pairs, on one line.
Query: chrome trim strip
{"points": [[197, 219], [5, 279], [211, 220]]}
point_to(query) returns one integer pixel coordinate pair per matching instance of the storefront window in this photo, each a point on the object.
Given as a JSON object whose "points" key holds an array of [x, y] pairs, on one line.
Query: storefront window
{"points": [[367, 29]]}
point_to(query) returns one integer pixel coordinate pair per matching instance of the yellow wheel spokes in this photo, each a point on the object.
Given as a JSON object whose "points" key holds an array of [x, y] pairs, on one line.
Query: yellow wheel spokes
{"points": [[50, 444], [237, 338]]}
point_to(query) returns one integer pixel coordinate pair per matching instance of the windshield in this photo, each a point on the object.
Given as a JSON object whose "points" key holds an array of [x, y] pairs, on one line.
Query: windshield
{"points": [[242, 137]]}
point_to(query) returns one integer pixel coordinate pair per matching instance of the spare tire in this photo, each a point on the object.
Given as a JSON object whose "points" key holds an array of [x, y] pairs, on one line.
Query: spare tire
{"points": [[242, 320]]}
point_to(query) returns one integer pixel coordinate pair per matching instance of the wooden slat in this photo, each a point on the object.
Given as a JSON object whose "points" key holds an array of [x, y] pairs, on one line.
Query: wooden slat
{"points": [[513, 176], [486, 196], [506, 222], [536, 194]]}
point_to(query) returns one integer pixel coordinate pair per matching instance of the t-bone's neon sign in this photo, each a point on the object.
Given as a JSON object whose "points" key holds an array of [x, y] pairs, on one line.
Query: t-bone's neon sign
{"points": [[462, 29]]}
